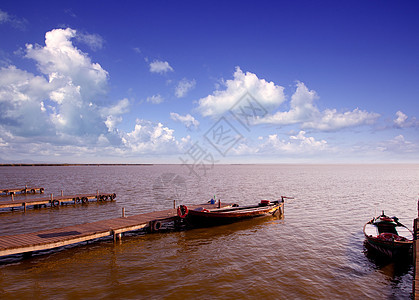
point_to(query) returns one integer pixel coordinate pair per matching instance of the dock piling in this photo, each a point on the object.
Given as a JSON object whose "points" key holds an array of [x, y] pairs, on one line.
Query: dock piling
{"points": [[123, 212]]}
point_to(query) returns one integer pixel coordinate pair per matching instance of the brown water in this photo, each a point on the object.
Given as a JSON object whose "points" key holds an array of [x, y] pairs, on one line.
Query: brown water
{"points": [[315, 251]]}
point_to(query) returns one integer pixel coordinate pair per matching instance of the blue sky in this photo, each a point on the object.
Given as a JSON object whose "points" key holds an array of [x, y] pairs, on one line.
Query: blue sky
{"points": [[225, 82]]}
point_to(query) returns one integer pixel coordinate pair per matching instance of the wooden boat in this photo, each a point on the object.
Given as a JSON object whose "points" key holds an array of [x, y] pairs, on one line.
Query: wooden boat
{"points": [[388, 236], [233, 213]]}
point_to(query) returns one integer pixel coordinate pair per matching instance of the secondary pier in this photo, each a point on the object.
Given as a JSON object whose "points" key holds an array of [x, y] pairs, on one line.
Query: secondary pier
{"points": [[53, 201], [24, 190], [53, 238]]}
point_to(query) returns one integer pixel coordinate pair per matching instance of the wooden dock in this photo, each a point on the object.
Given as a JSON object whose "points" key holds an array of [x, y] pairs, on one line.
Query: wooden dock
{"points": [[24, 190], [416, 257], [53, 238], [53, 201]]}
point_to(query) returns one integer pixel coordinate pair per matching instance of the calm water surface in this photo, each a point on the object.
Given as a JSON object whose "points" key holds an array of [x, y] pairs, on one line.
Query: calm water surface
{"points": [[315, 251]]}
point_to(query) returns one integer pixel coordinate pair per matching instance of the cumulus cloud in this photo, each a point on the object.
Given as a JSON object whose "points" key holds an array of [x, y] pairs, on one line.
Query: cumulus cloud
{"points": [[299, 143], [160, 67], [332, 120], [403, 121], [304, 111], [266, 93], [292, 146], [113, 114], [188, 120], [63, 63], [184, 87], [155, 99], [61, 112], [58, 106], [148, 137], [21, 95], [302, 108]]}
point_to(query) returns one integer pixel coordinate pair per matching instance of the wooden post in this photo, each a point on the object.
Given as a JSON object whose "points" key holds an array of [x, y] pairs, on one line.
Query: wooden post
{"points": [[219, 203], [415, 245], [123, 212], [174, 204], [52, 197], [62, 193], [13, 198], [116, 236]]}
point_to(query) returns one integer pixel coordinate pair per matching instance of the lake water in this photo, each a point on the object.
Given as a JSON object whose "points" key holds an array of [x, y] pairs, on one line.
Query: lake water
{"points": [[314, 251]]}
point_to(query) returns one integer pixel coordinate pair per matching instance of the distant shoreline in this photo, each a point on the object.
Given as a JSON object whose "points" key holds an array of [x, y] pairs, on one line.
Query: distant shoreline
{"points": [[67, 165], [151, 164]]}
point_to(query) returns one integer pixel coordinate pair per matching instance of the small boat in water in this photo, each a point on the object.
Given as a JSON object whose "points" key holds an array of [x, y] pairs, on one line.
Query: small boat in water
{"points": [[233, 213], [388, 236]]}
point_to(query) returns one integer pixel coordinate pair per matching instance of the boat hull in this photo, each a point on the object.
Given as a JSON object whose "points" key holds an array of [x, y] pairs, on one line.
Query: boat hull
{"points": [[388, 236], [231, 215], [390, 249]]}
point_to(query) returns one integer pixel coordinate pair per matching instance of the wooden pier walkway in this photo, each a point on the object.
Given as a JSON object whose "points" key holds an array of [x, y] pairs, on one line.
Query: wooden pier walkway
{"points": [[416, 257], [24, 190], [59, 237], [53, 201]]}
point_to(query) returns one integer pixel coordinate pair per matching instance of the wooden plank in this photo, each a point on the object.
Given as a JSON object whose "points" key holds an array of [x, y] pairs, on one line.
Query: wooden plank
{"points": [[23, 190], [57, 237], [47, 200]]}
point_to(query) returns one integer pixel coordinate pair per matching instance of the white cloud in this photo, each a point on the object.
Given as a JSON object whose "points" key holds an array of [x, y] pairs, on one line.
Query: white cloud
{"points": [[266, 93], [64, 63], [114, 112], [298, 144], [184, 87], [121, 107], [188, 120], [161, 67], [94, 41], [16, 22], [403, 121], [302, 108], [60, 113], [21, 95], [273, 146], [304, 111], [155, 99], [148, 137], [61, 108], [400, 145], [331, 120]]}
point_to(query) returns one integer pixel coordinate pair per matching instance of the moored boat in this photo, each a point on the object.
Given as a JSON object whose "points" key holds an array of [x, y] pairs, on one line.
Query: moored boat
{"points": [[388, 236], [203, 216]]}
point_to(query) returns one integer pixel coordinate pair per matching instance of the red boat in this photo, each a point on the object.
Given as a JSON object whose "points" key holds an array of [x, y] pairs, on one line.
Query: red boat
{"points": [[232, 213], [388, 236]]}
